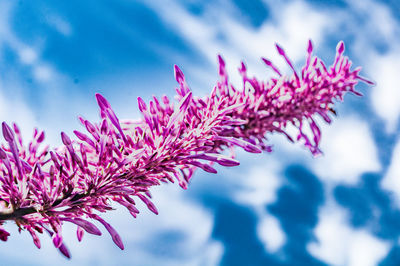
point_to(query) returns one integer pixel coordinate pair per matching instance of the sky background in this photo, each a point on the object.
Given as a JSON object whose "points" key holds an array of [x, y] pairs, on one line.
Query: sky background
{"points": [[282, 208]]}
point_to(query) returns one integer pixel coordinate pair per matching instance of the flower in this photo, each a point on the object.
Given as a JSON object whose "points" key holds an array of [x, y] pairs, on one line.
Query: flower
{"points": [[3, 234], [43, 188]]}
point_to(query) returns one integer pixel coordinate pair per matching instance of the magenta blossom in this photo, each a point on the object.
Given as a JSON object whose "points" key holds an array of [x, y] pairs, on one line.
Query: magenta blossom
{"points": [[120, 160]]}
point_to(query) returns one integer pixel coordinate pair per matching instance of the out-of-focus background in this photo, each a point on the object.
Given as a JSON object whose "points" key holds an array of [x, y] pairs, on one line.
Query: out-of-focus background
{"points": [[283, 208]]}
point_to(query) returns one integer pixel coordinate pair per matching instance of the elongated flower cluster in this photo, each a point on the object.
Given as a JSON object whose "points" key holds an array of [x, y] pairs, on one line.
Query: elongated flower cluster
{"points": [[120, 160]]}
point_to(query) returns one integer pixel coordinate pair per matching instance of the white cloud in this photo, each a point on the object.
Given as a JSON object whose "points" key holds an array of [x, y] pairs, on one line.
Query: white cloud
{"points": [[260, 184], [42, 73], [349, 151], [391, 180], [5, 7], [15, 110], [215, 32], [270, 233], [27, 55], [59, 24], [339, 244], [257, 186], [379, 27], [386, 94], [176, 214]]}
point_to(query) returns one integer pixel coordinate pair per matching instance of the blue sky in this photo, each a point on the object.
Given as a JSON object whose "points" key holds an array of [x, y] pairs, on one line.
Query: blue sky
{"points": [[283, 208]]}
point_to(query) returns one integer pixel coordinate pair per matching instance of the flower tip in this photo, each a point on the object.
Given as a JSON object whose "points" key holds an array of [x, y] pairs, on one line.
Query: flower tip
{"points": [[102, 102], [7, 132], [118, 241], [57, 240], [86, 225], [228, 162], [41, 137], [310, 47], [340, 47], [280, 50], [16, 128], [266, 61], [269, 64], [35, 238], [64, 250], [221, 61], [3, 154], [79, 233], [252, 148], [153, 209], [179, 74], [142, 105], [65, 139], [242, 68], [3, 234]]}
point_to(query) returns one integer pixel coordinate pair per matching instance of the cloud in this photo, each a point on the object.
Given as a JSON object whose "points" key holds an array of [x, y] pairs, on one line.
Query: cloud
{"points": [[391, 180], [12, 110], [257, 186], [386, 94], [178, 218], [144, 237], [261, 182], [59, 24], [270, 233], [349, 151], [339, 244], [377, 45], [27, 55], [214, 32]]}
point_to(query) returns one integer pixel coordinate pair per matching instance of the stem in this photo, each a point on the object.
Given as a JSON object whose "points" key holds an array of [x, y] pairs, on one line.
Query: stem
{"points": [[12, 215]]}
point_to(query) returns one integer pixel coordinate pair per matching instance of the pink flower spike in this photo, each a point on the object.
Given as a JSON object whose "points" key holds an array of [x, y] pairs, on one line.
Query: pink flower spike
{"points": [[184, 103], [340, 47], [3, 234], [79, 233], [88, 226], [180, 78], [218, 158], [84, 138], [102, 102], [64, 250], [35, 238], [142, 105], [226, 161], [222, 70], [366, 81], [41, 137], [65, 139], [247, 146], [7, 133], [203, 166], [148, 203], [221, 63], [120, 161], [272, 66], [282, 53], [3, 154], [115, 121], [57, 240], [114, 235], [310, 47]]}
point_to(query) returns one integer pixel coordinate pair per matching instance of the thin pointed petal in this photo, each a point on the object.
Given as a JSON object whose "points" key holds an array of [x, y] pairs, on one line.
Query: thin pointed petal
{"points": [[7, 132]]}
